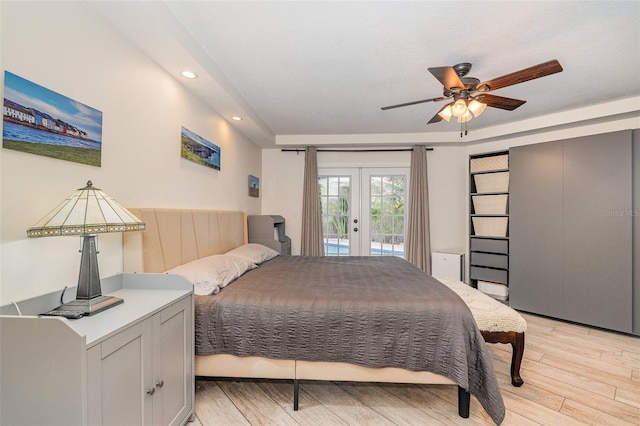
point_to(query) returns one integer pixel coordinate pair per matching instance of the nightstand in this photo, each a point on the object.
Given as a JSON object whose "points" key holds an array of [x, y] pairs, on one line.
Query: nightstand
{"points": [[131, 364]]}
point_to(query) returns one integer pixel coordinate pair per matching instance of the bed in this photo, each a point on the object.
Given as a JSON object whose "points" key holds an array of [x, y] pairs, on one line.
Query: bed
{"points": [[320, 335]]}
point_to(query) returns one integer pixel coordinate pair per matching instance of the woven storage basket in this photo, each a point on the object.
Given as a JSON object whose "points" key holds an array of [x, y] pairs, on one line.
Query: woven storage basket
{"points": [[498, 291], [490, 204], [484, 164], [490, 226], [492, 182]]}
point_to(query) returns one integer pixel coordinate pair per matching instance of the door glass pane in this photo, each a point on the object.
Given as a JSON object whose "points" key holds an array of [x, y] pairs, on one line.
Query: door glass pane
{"points": [[387, 215], [335, 194]]}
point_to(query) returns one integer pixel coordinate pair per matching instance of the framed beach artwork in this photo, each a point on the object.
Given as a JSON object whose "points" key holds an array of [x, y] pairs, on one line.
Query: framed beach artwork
{"points": [[254, 186], [199, 150], [39, 121]]}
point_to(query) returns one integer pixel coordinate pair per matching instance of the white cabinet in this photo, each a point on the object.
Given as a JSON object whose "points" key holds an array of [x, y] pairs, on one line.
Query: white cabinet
{"points": [[138, 376], [173, 339], [447, 265], [119, 370], [129, 365]]}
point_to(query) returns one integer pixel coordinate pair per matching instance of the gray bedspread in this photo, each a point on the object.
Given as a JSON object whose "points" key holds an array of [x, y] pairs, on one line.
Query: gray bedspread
{"points": [[370, 311]]}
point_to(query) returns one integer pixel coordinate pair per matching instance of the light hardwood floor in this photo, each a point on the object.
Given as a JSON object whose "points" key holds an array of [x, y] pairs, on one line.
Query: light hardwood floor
{"points": [[574, 375]]}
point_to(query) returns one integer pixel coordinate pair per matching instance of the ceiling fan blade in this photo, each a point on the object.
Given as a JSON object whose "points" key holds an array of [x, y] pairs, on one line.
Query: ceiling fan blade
{"points": [[413, 103], [499, 101], [448, 77], [436, 118], [536, 71]]}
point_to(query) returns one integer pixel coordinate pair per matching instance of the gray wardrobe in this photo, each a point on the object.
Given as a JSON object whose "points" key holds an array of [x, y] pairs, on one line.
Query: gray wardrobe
{"points": [[575, 230]]}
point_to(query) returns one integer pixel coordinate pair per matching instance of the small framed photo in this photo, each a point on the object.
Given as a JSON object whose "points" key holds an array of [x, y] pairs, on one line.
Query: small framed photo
{"points": [[254, 186], [199, 150]]}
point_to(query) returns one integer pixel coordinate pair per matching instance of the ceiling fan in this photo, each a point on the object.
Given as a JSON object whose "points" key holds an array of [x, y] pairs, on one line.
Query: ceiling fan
{"points": [[469, 95]]}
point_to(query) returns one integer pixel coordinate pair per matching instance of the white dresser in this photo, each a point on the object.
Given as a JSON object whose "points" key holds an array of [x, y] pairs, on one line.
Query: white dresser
{"points": [[131, 364]]}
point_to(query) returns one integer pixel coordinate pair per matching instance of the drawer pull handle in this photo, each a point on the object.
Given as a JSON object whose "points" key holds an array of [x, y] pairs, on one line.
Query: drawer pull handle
{"points": [[160, 384], [151, 391]]}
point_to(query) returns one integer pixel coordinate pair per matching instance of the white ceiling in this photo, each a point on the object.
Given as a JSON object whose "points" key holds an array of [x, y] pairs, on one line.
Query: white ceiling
{"points": [[320, 71]]}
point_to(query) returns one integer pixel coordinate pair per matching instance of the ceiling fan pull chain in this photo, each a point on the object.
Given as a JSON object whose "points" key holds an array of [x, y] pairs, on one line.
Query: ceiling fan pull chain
{"points": [[463, 126]]}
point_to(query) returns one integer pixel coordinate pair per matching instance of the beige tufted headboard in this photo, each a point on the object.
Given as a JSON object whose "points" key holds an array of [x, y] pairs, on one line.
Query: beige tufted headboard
{"points": [[175, 236]]}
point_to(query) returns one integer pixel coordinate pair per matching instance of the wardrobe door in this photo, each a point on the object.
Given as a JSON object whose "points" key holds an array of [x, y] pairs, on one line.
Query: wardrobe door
{"points": [[636, 232], [535, 229], [597, 230]]}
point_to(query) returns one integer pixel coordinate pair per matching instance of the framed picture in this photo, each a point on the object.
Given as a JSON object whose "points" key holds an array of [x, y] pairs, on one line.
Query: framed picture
{"points": [[40, 121], [199, 150], [254, 186]]}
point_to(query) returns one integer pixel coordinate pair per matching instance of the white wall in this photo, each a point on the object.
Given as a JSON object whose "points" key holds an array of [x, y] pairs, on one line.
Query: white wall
{"points": [[67, 48], [281, 190]]}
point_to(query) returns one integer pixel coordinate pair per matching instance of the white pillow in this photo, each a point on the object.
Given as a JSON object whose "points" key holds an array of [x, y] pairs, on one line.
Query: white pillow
{"points": [[209, 274], [256, 253]]}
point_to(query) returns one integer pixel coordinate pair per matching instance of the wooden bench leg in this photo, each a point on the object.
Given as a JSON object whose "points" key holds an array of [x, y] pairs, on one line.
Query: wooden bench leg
{"points": [[516, 340], [516, 359]]}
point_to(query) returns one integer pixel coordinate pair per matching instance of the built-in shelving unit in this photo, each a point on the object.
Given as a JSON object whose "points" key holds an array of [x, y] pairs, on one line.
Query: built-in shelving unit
{"points": [[489, 223]]}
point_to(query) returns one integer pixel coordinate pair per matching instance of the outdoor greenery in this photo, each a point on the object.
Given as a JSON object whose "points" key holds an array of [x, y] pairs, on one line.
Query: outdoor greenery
{"points": [[387, 209], [69, 153], [334, 204]]}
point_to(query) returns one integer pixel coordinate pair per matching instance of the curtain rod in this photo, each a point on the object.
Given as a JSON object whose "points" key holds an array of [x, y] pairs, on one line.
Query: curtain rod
{"points": [[353, 150]]}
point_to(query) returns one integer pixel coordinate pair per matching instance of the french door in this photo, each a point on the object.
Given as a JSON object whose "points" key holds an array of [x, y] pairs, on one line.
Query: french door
{"points": [[364, 210]]}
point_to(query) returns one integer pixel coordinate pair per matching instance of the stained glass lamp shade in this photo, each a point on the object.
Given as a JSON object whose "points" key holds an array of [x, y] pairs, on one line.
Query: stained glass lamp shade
{"points": [[85, 213]]}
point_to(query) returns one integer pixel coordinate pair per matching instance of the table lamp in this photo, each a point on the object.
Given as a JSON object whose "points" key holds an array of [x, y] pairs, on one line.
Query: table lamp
{"points": [[85, 213]]}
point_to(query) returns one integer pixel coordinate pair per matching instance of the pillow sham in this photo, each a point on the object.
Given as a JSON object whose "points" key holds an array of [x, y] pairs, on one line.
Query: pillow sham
{"points": [[209, 274], [256, 253]]}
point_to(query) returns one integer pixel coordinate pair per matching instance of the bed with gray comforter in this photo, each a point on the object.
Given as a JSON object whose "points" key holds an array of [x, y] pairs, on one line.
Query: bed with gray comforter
{"points": [[370, 311]]}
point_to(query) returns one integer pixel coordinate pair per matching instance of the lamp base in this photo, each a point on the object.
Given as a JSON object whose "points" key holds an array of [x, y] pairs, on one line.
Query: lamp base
{"points": [[91, 306]]}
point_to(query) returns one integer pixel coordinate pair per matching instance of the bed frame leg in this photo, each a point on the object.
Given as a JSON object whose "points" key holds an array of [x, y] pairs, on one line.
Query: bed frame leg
{"points": [[296, 389], [464, 401], [516, 359]]}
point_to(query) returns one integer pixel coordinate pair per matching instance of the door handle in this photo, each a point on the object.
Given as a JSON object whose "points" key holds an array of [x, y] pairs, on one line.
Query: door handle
{"points": [[355, 229]]}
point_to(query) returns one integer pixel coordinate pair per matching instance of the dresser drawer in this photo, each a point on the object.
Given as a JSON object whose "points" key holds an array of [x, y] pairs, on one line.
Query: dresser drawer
{"points": [[487, 274], [489, 245], [493, 260]]}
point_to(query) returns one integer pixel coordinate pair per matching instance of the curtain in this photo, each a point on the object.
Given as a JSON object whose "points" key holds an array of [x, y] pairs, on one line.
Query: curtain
{"points": [[312, 242], [418, 239]]}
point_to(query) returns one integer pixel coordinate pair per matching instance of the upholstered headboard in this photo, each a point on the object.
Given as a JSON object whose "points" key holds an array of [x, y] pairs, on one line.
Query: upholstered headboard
{"points": [[173, 237]]}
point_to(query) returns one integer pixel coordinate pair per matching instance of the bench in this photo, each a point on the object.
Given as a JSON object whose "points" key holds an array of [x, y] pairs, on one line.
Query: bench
{"points": [[497, 322]]}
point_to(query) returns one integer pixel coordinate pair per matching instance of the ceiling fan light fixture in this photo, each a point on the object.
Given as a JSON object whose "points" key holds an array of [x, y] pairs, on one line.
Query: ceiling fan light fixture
{"points": [[465, 117], [459, 108], [445, 112], [476, 107]]}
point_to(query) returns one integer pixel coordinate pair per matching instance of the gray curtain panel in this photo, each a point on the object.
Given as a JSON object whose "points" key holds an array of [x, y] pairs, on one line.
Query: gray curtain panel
{"points": [[312, 242], [418, 237]]}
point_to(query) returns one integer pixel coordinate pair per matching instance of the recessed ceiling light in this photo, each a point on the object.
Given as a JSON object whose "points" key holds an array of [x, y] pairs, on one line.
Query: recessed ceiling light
{"points": [[236, 118], [189, 74]]}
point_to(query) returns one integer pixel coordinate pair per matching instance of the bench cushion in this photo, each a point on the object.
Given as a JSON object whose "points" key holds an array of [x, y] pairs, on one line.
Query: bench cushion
{"points": [[490, 314]]}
